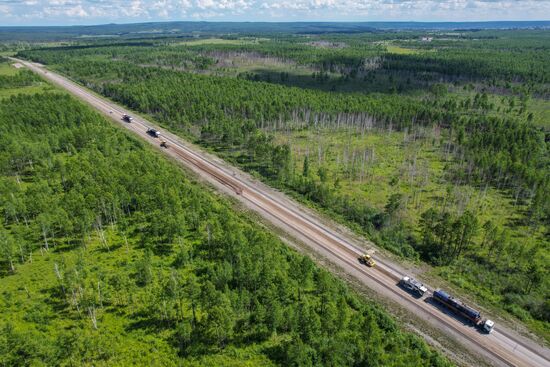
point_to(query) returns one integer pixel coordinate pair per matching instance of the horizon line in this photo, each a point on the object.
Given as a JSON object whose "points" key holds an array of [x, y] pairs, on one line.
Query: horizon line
{"points": [[280, 22]]}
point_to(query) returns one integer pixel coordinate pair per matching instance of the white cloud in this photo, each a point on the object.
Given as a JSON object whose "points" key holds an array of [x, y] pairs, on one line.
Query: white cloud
{"points": [[223, 4], [76, 11], [101, 11], [5, 10]]}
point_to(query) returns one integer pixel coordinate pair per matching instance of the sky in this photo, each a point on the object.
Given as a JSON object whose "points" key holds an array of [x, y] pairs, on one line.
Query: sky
{"points": [[73, 12]]}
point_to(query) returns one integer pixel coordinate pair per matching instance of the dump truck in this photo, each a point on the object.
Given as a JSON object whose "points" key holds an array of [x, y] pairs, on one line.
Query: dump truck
{"points": [[127, 118], [413, 285], [367, 260], [154, 133], [461, 309]]}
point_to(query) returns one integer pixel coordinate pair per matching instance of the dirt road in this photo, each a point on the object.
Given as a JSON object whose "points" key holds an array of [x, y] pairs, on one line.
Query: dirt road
{"points": [[503, 347]]}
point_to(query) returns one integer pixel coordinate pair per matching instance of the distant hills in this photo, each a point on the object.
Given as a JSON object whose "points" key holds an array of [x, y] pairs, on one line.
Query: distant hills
{"points": [[137, 30]]}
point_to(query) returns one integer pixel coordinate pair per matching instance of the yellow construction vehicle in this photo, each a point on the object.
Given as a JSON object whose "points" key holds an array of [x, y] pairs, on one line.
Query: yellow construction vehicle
{"points": [[367, 260]]}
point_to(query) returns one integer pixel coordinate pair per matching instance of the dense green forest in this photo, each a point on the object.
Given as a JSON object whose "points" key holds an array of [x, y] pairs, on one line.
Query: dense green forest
{"points": [[111, 256], [381, 62], [22, 79], [13, 81], [466, 188]]}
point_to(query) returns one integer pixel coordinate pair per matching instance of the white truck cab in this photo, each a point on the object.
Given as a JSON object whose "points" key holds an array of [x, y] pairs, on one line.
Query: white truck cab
{"points": [[488, 326]]}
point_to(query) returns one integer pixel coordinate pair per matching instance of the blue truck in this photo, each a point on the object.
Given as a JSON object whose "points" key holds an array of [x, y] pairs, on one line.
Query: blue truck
{"points": [[460, 308]]}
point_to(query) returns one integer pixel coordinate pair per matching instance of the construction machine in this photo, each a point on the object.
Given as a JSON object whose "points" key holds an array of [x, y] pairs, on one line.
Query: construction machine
{"points": [[367, 260]]}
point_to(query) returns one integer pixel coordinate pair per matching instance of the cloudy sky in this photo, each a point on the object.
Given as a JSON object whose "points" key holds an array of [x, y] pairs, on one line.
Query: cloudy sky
{"points": [[68, 12]]}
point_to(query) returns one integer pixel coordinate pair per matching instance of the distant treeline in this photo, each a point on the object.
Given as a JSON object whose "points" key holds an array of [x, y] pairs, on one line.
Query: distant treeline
{"points": [[156, 29]]}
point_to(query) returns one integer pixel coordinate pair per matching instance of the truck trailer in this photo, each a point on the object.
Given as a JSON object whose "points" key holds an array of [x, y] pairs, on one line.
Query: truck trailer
{"points": [[460, 308], [413, 285]]}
